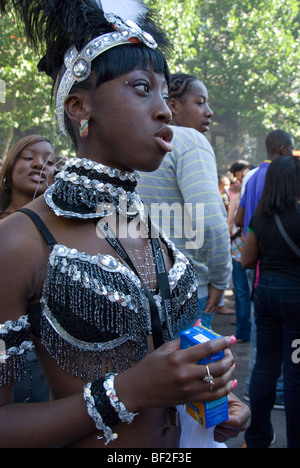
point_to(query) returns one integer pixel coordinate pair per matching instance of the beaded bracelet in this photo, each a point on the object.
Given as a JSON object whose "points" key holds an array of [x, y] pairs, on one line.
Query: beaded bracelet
{"points": [[94, 412], [104, 406], [123, 414]]}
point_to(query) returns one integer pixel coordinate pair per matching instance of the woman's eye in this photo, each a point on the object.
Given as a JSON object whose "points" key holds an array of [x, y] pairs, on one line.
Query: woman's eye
{"points": [[140, 85], [143, 87], [201, 103]]}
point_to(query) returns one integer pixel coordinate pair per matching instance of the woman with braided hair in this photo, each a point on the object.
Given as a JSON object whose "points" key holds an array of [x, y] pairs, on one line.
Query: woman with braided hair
{"points": [[100, 304], [189, 103], [188, 176]]}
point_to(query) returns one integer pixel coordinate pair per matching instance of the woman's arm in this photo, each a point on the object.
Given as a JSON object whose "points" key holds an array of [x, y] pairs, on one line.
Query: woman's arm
{"points": [[240, 217], [250, 251], [233, 207], [43, 425]]}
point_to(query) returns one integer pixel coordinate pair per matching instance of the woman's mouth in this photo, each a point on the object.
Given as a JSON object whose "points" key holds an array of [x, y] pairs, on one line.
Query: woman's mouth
{"points": [[206, 125], [37, 176], [164, 138]]}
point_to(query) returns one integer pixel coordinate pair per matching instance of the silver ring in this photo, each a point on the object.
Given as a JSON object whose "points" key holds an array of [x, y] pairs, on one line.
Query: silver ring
{"points": [[209, 378]]}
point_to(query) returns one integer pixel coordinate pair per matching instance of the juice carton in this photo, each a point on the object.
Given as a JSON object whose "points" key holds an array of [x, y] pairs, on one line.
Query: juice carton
{"points": [[211, 413]]}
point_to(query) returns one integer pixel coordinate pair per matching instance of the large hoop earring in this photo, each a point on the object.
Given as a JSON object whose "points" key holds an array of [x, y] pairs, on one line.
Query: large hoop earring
{"points": [[6, 184], [84, 128]]}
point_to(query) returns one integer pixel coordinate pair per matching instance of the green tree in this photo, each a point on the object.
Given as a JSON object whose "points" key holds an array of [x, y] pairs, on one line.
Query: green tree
{"points": [[247, 52], [25, 105]]}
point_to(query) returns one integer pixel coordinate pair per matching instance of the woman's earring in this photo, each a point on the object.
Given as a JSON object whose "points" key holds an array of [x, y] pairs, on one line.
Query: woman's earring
{"points": [[84, 128], [6, 184]]}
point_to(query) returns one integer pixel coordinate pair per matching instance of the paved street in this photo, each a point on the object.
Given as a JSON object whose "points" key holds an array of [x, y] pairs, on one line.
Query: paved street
{"points": [[222, 324]]}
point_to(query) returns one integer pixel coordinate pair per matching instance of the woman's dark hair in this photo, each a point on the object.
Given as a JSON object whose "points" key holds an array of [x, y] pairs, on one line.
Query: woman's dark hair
{"points": [[180, 85], [282, 186], [9, 164], [116, 62], [238, 166]]}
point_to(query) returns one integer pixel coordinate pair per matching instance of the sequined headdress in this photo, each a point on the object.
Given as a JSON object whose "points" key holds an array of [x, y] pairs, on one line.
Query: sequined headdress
{"points": [[123, 16], [73, 33]]}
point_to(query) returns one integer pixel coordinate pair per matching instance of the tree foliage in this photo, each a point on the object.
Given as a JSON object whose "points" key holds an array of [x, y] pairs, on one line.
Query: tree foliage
{"points": [[25, 106], [248, 54], [246, 51]]}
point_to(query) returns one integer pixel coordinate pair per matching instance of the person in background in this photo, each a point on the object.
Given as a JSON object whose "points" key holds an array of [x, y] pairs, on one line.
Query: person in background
{"points": [[278, 144], [26, 173], [188, 177], [249, 173], [239, 277], [237, 169], [189, 103], [224, 186], [277, 301]]}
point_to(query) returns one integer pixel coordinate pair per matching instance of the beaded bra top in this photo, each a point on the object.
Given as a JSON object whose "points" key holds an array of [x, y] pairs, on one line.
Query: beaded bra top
{"points": [[95, 314]]}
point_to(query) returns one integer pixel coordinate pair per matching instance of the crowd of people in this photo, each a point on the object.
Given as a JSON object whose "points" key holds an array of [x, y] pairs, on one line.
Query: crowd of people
{"points": [[106, 261], [265, 273]]}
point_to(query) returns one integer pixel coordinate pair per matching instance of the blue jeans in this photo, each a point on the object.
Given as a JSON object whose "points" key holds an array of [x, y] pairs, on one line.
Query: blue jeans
{"points": [[277, 311], [242, 301], [279, 389], [206, 318]]}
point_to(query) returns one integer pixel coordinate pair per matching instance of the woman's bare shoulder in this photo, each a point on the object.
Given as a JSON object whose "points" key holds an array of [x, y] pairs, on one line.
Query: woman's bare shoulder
{"points": [[24, 256], [18, 232]]}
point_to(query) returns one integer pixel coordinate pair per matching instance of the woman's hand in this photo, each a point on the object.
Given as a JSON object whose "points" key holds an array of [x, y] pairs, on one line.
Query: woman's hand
{"points": [[214, 299], [171, 376], [239, 414]]}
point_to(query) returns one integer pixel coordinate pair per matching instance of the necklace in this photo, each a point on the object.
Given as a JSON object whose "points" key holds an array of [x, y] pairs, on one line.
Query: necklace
{"points": [[86, 189]]}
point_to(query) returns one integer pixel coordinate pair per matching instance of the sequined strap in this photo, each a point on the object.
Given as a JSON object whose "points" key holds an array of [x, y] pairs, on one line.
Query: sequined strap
{"points": [[14, 342]]}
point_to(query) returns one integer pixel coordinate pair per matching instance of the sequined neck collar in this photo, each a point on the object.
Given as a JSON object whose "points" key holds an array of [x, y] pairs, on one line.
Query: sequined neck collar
{"points": [[87, 189]]}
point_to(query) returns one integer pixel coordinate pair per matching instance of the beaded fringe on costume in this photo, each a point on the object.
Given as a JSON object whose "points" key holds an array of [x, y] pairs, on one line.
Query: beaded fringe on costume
{"points": [[14, 342], [96, 316]]}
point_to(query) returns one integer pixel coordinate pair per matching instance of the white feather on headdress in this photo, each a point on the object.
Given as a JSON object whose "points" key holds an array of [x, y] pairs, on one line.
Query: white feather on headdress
{"points": [[126, 9]]}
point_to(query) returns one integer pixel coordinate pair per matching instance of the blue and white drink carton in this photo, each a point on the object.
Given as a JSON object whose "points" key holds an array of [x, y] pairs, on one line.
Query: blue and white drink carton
{"points": [[210, 413]]}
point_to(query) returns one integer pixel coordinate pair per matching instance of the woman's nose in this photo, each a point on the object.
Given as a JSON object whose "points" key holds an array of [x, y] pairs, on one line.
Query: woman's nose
{"points": [[209, 111], [163, 112], [38, 162]]}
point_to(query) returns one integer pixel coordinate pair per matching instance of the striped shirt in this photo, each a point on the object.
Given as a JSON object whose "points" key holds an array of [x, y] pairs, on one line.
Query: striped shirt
{"points": [[183, 199]]}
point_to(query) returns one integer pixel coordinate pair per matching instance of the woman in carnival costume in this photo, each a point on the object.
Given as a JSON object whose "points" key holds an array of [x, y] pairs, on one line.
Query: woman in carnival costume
{"points": [[79, 269]]}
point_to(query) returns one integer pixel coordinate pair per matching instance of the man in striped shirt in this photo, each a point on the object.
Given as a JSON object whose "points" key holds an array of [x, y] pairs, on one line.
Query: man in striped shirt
{"points": [[183, 197]]}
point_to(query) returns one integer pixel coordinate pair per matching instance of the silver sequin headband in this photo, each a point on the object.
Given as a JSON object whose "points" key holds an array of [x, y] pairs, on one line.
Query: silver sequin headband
{"points": [[78, 64]]}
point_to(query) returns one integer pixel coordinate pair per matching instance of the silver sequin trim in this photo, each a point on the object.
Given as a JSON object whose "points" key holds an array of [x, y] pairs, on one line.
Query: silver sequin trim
{"points": [[93, 347]]}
